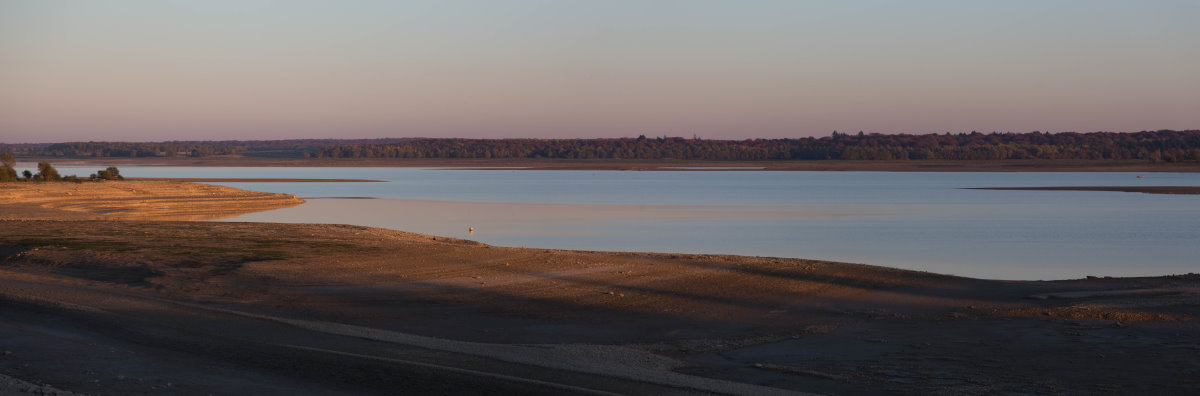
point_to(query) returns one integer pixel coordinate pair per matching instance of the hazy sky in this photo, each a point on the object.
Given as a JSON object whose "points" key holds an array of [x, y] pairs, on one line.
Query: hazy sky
{"points": [[257, 69]]}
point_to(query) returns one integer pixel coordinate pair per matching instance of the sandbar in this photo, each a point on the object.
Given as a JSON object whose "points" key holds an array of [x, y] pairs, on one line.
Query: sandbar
{"points": [[143, 200], [1184, 190]]}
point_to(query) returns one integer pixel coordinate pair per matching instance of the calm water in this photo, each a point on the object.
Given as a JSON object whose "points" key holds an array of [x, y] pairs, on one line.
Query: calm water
{"points": [[922, 221]]}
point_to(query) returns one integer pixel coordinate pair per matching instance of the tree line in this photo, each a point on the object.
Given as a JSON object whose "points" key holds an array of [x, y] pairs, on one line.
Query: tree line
{"points": [[195, 149], [1153, 146], [47, 173], [123, 149]]}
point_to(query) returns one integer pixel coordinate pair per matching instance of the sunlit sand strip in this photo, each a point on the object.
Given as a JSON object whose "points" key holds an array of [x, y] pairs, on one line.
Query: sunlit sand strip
{"points": [[145, 200]]}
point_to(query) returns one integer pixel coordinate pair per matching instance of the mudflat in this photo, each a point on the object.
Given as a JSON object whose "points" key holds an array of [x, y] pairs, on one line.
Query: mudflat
{"points": [[98, 303]]}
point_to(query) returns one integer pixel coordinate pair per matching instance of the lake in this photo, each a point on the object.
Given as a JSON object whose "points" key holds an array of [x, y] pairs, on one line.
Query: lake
{"points": [[916, 220]]}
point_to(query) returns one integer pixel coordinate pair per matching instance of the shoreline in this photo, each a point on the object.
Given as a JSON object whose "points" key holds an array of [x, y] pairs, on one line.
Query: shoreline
{"points": [[660, 165], [339, 309], [250, 180], [1182, 190]]}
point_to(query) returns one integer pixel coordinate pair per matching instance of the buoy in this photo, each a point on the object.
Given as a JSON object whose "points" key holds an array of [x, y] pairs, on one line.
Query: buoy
{"points": [[470, 230]]}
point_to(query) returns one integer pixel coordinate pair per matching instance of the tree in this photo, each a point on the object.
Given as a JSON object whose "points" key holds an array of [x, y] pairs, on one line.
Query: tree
{"points": [[7, 171], [109, 174], [46, 172], [28, 175], [7, 174]]}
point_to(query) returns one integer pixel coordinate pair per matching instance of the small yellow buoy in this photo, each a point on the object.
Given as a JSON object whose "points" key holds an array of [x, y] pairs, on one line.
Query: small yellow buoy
{"points": [[470, 230]]}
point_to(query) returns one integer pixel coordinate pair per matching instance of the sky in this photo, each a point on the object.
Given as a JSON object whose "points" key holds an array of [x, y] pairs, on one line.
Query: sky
{"points": [[153, 70]]}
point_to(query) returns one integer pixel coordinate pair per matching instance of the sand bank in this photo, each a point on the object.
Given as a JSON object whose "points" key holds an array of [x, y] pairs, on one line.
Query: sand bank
{"points": [[251, 180], [142, 200]]}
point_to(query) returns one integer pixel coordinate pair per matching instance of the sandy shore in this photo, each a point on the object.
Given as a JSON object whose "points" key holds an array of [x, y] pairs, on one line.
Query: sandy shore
{"points": [[102, 306], [250, 180]]}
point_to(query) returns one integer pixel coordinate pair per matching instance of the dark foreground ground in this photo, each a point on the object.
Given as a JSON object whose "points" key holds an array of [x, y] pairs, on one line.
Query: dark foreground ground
{"points": [[169, 307]]}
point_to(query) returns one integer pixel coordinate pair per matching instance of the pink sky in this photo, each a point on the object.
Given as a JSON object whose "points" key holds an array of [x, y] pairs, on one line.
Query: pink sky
{"points": [[166, 70]]}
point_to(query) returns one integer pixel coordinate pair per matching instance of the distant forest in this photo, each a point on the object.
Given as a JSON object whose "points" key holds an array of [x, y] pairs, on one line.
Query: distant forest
{"points": [[1152, 146], [283, 148]]}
